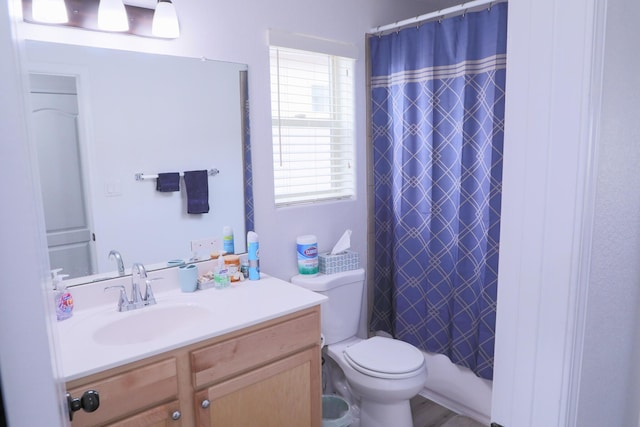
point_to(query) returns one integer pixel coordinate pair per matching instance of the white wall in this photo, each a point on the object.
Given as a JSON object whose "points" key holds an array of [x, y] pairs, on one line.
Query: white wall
{"points": [[609, 387]]}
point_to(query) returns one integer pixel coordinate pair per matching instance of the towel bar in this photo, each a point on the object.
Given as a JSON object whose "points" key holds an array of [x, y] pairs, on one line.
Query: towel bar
{"points": [[141, 176]]}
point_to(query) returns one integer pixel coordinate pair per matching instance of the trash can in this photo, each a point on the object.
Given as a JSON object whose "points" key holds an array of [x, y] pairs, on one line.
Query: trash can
{"points": [[335, 411]]}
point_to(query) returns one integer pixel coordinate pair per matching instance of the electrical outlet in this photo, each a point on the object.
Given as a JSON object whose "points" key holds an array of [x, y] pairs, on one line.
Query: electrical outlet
{"points": [[204, 245]]}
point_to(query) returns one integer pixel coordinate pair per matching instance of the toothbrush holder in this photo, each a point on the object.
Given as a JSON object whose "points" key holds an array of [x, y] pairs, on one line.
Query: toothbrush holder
{"points": [[188, 277]]}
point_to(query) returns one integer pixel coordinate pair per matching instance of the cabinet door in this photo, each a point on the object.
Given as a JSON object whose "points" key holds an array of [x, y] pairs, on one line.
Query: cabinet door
{"points": [[167, 415], [233, 356], [286, 393], [129, 393]]}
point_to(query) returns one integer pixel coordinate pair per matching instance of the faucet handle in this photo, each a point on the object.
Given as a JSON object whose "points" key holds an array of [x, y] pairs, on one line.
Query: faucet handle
{"points": [[149, 298], [123, 302]]}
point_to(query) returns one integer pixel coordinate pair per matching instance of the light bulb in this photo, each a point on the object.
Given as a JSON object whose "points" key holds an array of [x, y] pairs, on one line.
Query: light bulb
{"points": [[165, 20], [112, 16], [49, 11]]}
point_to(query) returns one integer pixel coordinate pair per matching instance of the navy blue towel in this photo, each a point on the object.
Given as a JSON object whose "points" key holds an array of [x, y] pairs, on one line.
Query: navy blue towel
{"points": [[197, 183], [169, 181]]}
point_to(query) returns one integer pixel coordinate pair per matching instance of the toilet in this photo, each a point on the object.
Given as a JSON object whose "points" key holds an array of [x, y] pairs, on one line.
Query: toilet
{"points": [[382, 373]]}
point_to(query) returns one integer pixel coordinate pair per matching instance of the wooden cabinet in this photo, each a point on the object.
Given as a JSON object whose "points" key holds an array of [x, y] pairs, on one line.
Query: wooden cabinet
{"points": [[271, 375], [166, 415], [267, 375], [276, 395], [152, 389]]}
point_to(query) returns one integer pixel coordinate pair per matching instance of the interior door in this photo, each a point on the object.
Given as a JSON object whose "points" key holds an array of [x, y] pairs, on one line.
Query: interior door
{"points": [[54, 103]]}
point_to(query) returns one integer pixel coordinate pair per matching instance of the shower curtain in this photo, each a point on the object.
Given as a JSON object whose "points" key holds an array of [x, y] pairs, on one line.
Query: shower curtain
{"points": [[246, 143], [437, 105]]}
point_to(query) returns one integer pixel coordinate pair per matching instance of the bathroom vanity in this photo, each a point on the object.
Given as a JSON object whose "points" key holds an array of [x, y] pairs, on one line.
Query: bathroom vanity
{"points": [[254, 361]]}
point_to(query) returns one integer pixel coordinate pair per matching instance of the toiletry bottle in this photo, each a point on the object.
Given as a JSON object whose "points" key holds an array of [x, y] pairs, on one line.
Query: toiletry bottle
{"points": [[227, 240], [221, 274], [244, 267], [232, 264], [62, 299], [253, 255]]}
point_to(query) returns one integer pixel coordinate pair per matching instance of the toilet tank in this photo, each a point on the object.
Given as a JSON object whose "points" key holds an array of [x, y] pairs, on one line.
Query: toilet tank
{"points": [[340, 314]]}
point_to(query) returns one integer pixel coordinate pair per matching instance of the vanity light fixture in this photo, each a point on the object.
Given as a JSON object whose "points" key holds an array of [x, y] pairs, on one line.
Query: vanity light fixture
{"points": [[136, 17], [50, 11], [165, 20], [112, 16]]}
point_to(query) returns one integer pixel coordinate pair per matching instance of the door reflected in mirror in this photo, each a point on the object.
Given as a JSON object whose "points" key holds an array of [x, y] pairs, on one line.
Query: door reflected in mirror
{"points": [[101, 116], [54, 120]]}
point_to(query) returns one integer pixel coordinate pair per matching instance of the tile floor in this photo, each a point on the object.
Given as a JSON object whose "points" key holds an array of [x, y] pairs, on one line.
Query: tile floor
{"points": [[429, 414]]}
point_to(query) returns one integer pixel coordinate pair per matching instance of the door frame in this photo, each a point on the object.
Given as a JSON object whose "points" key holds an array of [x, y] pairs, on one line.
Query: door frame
{"points": [[549, 181], [27, 317]]}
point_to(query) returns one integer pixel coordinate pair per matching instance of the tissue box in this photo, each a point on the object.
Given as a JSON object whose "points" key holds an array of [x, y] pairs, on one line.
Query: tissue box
{"points": [[344, 261]]}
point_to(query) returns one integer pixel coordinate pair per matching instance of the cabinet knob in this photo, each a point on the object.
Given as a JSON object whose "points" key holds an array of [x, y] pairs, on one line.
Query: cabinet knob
{"points": [[89, 402], [176, 416], [205, 403]]}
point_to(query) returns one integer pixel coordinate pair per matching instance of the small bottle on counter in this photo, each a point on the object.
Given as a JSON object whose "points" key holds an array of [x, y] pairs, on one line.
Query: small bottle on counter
{"points": [[232, 264], [227, 240], [244, 266], [253, 255], [221, 274]]}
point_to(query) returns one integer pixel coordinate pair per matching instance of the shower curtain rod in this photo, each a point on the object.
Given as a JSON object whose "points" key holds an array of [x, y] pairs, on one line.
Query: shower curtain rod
{"points": [[431, 15]]}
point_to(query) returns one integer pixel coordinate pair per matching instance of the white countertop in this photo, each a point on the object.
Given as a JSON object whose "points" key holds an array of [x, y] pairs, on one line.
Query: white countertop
{"points": [[241, 305]]}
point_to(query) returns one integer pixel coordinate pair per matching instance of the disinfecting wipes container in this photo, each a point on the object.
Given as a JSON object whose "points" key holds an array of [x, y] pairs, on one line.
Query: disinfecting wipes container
{"points": [[307, 254]]}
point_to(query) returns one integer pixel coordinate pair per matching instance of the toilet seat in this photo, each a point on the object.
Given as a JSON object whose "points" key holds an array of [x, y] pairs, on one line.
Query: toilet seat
{"points": [[382, 357]]}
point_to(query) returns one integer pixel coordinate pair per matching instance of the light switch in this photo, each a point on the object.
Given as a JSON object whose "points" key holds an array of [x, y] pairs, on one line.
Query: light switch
{"points": [[113, 188]]}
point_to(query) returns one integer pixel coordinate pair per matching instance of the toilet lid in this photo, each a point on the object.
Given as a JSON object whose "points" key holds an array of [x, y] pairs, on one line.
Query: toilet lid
{"points": [[384, 357]]}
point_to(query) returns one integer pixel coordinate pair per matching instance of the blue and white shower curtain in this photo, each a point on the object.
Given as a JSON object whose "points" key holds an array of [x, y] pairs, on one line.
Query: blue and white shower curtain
{"points": [[437, 94], [248, 168]]}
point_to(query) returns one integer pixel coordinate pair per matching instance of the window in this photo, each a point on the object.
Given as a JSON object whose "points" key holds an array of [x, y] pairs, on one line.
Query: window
{"points": [[312, 126]]}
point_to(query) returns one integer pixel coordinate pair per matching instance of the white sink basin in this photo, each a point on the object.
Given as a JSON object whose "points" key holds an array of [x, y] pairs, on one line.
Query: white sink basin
{"points": [[149, 323]]}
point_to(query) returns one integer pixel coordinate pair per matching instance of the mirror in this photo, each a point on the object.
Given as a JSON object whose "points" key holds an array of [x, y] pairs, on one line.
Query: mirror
{"points": [[135, 113]]}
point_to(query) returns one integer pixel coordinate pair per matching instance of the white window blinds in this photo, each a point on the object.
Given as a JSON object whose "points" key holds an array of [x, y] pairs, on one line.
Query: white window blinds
{"points": [[312, 125]]}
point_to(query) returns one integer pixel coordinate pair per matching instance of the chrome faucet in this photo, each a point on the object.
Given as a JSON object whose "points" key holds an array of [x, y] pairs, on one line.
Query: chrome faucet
{"points": [[136, 296], [119, 261], [138, 272]]}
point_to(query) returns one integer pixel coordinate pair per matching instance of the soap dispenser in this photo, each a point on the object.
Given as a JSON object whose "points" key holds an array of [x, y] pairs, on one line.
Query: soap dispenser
{"points": [[62, 299]]}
